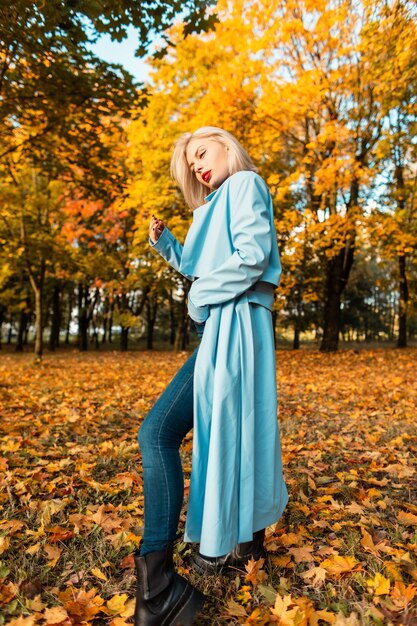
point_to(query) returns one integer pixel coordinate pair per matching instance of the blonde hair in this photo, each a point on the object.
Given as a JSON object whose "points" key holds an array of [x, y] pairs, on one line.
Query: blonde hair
{"points": [[194, 192]]}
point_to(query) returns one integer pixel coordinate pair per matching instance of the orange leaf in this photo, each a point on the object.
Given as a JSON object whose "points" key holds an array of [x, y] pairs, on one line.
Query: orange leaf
{"points": [[255, 573], [402, 595], [408, 519], [338, 565], [80, 604]]}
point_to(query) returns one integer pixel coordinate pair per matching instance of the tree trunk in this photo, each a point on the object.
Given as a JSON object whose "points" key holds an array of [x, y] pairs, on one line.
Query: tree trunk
{"points": [[296, 339], [56, 319], [403, 303], [39, 321], [151, 309], [26, 330], [403, 286], [110, 328], [10, 333], [171, 320], [124, 334], [124, 339], [38, 288], [23, 321], [95, 336], [68, 329], [105, 319], [331, 320], [338, 270], [82, 318]]}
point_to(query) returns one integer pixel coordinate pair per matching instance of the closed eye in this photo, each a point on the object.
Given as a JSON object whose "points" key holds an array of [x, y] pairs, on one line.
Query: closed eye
{"points": [[199, 156]]}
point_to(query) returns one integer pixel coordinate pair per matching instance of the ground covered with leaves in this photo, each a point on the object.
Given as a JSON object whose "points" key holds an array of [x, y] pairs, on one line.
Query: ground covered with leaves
{"points": [[344, 553]]}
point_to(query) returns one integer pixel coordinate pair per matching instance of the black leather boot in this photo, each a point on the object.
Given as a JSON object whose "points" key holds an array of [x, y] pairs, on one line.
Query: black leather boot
{"points": [[163, 597], [236, 559]]}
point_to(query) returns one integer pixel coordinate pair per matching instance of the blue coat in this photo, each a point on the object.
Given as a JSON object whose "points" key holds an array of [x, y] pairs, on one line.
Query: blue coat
{"points": [[236, 485]]}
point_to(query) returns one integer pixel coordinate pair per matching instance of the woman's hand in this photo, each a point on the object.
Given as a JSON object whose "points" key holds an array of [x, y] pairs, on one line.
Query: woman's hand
{"points": [[155, 229]]}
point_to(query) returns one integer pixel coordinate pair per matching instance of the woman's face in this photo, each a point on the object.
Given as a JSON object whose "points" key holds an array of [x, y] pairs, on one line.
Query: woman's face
{"points": [[208, 159]]}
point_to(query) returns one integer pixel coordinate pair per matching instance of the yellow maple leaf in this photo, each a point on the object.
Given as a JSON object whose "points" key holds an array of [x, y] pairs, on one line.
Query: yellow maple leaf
{"points": [[338, 565], [379, 584], [129, 609], [98, 573], [116, 604], [282, 610]]}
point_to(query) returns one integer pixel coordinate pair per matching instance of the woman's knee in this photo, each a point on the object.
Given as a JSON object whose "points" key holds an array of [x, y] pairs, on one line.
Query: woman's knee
{"points": [[147, 434]]}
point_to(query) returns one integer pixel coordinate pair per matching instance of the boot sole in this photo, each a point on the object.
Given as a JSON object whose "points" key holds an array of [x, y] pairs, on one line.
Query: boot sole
{"points": [[209, 569], [193, 605]]}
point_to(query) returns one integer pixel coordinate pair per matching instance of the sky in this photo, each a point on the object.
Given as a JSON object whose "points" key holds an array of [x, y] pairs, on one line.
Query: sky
{"points": [[123, 53]]}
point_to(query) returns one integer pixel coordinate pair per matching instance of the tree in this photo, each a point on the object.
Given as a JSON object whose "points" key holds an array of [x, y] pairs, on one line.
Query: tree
{"points": [[393, 62]]}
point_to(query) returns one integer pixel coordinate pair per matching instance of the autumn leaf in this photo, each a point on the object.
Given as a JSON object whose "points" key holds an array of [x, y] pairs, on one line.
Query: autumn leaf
{"points": [[402, 595], [408, 519], [56, 615], [52, 554], [302, 554], [81, 605], [316, 575], [98, 530], [116, 605], [283, 561], [98, 573], [255, 574], [29, 620], [7, 592], [325, 616], [379, 584], [349, 620], [234, 609], [367, 542], [244, 594], [338, 565], [283, 611], [4, 544]]}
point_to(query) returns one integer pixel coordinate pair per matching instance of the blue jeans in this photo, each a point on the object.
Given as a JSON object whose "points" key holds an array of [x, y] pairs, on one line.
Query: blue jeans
{"points": [[160, 437]]}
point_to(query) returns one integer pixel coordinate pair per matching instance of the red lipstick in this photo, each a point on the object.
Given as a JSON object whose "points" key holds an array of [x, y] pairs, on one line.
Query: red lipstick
{"points": [[206, 176]]}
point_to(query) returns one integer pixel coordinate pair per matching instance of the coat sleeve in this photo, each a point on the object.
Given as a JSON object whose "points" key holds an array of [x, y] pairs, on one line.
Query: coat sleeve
{"points": [[251, 237], [170, 249]]}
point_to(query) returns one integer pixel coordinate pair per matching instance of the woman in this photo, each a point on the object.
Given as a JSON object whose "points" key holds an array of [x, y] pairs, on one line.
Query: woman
{"points": [[227, 388]]}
